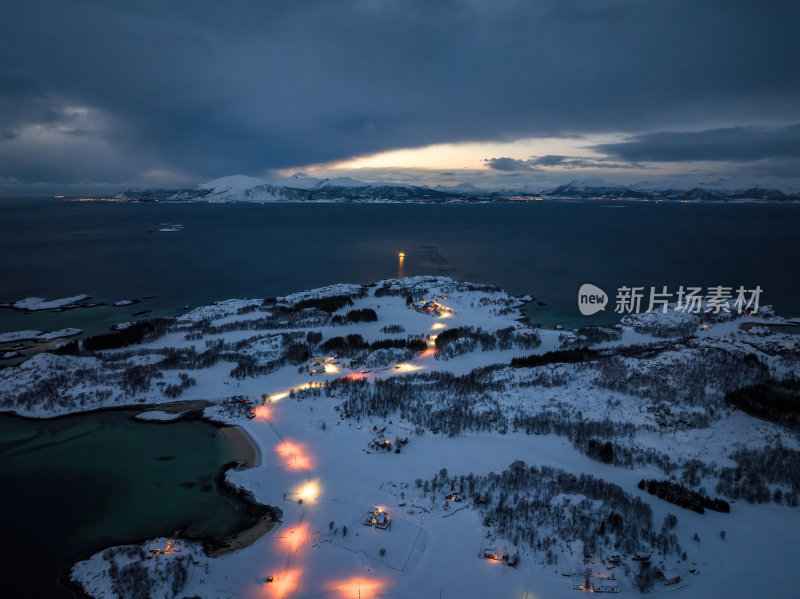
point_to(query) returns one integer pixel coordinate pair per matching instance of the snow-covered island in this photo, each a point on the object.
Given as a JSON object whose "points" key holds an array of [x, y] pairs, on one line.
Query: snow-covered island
{"points": [[420, 439], [299, 188]]}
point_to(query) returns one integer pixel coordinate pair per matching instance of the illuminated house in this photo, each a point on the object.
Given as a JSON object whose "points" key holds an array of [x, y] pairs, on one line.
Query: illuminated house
{"points": [[604, 585], [377, 518], [159, 546], [490, 553]]}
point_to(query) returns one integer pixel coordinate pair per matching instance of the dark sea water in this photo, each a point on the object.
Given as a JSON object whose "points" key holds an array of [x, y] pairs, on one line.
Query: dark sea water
{"points": [[75, 485], [55, 248]]}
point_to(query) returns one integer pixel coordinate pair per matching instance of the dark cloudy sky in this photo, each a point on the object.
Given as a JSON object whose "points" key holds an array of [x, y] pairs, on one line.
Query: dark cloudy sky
{"points": [[100, 95]]}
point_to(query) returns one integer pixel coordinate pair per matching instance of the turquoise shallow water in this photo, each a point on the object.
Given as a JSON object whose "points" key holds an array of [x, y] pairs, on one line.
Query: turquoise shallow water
{"points": [[74, 485], [55, 248]]}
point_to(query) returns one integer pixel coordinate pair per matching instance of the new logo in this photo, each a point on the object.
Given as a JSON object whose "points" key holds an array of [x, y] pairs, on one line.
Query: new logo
{"points": [[591, 299]]}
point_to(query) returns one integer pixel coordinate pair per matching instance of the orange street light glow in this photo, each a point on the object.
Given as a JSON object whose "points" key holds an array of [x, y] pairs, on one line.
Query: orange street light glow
{"points": [[356, 376], [438, 325], [295, 455], [428, 352], [262, 412], [278, 396], [407, 367], [283, 584], [295, 536], [331, 369], [309, 491], [357, 587]]}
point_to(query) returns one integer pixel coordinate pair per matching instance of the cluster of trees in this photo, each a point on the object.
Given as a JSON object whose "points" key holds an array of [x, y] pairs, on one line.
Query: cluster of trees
{"points": [[461, 340], [329, 304], [393, 329], [536, 506], [353, 345], [694, 471], [277, 319], [344, 347], [413, 344], [697, 377], [773, 400], [684, 497], [589, 335], [174, 390], [562, 356], [758, 470], [136, 581], [438, 401], [138, 332], [675, 324], [443, 402], [362, 315]]}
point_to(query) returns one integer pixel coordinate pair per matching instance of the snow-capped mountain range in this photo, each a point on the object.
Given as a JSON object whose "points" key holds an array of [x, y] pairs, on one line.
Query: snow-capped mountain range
{"points": [[241, 188]]}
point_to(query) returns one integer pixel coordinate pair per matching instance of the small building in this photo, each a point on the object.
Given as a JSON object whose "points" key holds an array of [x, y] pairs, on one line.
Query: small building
{"points": [[668, 576], [491, 553], [454, 497], [377, 518], [600, 584], [159, 546], [579, 582]]}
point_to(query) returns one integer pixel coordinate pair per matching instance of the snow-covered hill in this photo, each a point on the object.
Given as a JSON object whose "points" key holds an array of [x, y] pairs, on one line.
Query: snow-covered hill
{"points": [[240, 188]]}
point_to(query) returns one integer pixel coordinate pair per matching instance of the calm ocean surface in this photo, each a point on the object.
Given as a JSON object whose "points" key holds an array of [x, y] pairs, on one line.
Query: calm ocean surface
{"points": [[75, 485], [55, 248]]}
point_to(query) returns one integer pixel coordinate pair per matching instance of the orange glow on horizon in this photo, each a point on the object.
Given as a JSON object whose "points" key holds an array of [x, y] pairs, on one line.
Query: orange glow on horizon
{"points": [[358, 586]]}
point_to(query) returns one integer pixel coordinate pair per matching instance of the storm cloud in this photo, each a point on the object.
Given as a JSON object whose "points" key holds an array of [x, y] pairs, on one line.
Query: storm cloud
{"points": [[555, 160], [731, 143], [148, 91]]}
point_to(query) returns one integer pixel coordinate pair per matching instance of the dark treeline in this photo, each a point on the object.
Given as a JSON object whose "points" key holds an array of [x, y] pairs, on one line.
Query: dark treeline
{"points": [[563, 356], [138, 332], [462, 340], [591, 437], [757, 470], [531, 506], [435, 400], [412, 344], [773, 400], [589, 335], [362, 315], [352, 345], [689, 376], [684, 497]]}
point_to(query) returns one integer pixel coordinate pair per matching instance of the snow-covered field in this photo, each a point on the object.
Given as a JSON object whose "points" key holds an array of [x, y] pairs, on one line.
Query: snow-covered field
{"points": [[403, 397]]}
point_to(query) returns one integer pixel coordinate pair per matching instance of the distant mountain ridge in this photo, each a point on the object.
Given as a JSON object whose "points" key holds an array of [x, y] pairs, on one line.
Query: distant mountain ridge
{"points": [[240, 188]]}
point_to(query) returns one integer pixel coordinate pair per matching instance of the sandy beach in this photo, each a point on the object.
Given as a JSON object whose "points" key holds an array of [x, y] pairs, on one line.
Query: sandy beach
{"points": [[245, 450]]}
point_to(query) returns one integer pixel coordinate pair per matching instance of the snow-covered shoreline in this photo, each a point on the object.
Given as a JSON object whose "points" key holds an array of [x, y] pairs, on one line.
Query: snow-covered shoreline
{"points": [[347, 393]]}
